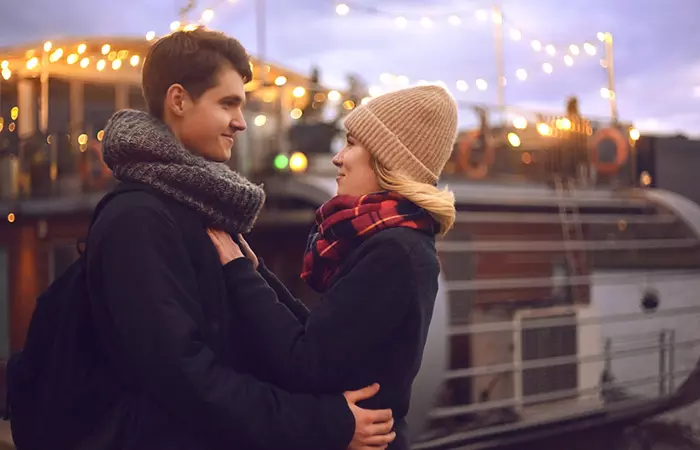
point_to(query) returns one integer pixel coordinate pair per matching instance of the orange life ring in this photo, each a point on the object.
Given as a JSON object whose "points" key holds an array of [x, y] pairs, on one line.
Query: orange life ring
{"points": [[465, 150], [622, 150]]}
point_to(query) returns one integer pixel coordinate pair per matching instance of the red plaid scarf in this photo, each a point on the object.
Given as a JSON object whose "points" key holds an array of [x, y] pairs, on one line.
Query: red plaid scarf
{"points": [[344, 222]]}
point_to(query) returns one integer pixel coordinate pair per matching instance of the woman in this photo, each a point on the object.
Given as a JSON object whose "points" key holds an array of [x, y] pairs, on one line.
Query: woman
{"points": [[372, 255]]}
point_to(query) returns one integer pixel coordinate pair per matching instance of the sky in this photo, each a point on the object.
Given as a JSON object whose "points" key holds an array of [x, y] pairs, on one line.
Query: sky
{"points": [[656, 45]]}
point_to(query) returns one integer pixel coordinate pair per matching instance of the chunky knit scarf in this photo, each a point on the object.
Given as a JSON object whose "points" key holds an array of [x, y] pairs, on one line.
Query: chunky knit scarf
{"points": [[344, 222], [137, 147]]}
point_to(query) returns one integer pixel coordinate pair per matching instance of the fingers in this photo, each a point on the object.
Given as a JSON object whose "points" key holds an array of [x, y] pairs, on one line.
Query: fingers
{"points": [[220, 236], [214, 237], [380, 440], [381, 428], [362, 394], [379, 415]]}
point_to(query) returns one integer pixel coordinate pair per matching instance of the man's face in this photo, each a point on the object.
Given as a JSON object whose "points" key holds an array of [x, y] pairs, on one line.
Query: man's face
{"points": [[207, 126]]}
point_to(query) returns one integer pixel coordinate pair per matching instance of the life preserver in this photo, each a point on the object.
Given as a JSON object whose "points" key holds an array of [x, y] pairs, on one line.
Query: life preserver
{"points": [[464, 147], [622, 150]]}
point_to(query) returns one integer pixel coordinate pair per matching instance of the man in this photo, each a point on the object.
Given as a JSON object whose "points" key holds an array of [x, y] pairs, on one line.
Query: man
{"points": [[157, 292]]}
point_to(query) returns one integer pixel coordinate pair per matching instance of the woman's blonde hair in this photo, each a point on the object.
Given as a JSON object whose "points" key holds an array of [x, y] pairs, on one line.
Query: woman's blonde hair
{"points": [[439, 203]]}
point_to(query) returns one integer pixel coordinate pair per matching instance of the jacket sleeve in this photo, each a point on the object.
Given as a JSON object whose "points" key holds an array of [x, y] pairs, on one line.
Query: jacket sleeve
{"points": [[150, 291], [296, 306], [358, 312]]}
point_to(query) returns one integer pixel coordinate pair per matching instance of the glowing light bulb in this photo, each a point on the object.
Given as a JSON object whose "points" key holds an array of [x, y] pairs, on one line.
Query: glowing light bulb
{"points": [[207, 15], [342, 9]]}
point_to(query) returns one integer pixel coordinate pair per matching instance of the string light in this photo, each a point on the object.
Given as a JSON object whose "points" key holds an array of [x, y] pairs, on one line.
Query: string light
{"points": [[342, 9], [392, 82], [457, 18], [207, 15], [560, 53]]}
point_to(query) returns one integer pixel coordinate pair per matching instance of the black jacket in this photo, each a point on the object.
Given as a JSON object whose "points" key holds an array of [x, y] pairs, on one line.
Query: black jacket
{"points": [[371, 325], [160, 301]]}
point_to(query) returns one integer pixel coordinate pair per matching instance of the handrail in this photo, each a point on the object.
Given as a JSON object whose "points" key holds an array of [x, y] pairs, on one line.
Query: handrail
{"points": [[551, 322], [598, 219], [549, 246], [563, 394], [574, 280], [558, 361]]}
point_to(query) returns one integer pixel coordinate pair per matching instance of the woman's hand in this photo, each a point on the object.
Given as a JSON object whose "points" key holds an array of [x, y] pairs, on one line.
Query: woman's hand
{"points": [[227, 249], [248, 251]]}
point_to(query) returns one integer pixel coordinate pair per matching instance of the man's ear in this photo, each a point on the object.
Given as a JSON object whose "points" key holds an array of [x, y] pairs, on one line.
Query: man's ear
{"points": [[177, 100]]}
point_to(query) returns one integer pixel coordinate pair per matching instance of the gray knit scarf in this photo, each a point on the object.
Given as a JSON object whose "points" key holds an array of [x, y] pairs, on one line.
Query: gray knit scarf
{"points": [[137, 147]]}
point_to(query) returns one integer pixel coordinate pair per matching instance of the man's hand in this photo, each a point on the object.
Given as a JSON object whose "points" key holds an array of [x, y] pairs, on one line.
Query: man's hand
{"points": [[249, 253], [373, 428], [227, 249]]}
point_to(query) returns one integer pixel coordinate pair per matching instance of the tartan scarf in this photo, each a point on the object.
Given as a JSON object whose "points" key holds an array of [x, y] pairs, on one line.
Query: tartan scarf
{"points": [[344, 222]]}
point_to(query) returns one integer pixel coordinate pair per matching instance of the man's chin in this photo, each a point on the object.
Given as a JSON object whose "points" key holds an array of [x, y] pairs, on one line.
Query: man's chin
{"points": [[222, 156]]}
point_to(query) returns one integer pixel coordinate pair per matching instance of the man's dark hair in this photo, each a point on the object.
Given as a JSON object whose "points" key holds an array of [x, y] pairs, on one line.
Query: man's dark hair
{"points": [[192, 59]]}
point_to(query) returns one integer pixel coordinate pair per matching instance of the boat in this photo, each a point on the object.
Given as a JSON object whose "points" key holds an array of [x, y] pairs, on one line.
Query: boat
{"points": [[566, 292]]}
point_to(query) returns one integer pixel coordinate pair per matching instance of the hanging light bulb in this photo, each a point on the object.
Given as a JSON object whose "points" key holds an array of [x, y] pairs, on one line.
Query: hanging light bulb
{"points": [[207, 15], [342, 9]]}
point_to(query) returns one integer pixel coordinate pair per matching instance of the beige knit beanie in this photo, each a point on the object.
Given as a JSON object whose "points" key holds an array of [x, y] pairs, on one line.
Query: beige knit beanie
{"points": [[410, 130]]}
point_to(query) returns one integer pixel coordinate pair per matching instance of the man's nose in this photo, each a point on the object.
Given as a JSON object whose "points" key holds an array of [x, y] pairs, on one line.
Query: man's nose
{"points": [[238, 123]]}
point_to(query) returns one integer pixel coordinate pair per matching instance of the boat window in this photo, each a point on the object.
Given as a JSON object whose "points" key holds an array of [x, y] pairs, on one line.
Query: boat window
{"points": [[8, 117], [100, 105]]}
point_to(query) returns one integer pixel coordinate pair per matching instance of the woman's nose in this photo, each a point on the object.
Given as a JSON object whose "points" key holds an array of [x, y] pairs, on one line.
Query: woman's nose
{"points": [[337, 160]]}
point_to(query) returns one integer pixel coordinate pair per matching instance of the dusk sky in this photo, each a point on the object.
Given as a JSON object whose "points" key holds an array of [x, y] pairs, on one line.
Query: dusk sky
{"points": [[656, 44]]}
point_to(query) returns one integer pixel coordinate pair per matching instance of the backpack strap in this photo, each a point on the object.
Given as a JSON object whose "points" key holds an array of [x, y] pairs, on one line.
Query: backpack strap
{"points": [[121, 188]]}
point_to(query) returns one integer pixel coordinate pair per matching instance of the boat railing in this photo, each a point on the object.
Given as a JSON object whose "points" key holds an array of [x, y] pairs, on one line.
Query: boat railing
{"points": [[557, 387], [512, 144]]}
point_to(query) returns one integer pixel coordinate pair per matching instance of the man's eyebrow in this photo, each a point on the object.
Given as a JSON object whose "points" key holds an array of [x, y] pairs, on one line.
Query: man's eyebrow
{"points": [[234, 99]]}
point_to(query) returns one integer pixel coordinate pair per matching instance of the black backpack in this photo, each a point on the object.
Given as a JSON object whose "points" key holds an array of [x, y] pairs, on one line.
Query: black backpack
{"points": [[60, 386]]}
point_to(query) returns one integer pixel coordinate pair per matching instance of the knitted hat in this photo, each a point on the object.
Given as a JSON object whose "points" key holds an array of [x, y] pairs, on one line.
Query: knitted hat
{"points": [[410, 130]]}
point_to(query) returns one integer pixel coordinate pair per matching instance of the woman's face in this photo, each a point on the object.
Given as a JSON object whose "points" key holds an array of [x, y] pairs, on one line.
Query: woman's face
{"points": [[355, 174]]}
